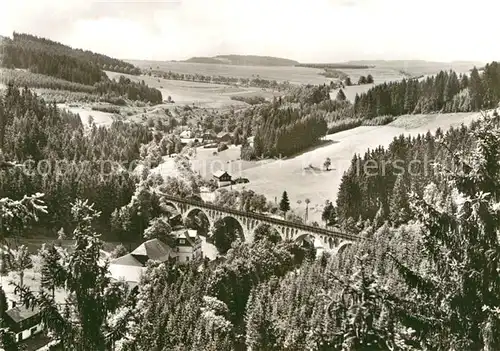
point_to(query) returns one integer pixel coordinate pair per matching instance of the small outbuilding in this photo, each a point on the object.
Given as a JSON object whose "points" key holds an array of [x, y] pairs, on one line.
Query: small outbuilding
{"points": [[224, 137], [222, 178]]}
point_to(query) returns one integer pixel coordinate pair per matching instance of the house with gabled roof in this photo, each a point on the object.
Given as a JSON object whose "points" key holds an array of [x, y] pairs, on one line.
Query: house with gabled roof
{"points": [[24, 322], [131, 266], [222, 178], [224, 137]]}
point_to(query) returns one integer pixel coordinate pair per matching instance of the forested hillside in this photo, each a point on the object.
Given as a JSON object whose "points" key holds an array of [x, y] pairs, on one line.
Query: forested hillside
{"points": [[59, 158], [405, 166], [31, 61], [287, 126], [22, 49], [379, 294], [444, 92]]}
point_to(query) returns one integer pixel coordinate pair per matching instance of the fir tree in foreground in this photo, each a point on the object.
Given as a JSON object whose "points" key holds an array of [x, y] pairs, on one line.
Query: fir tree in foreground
{"points": [[84, 323], [456, 304]]}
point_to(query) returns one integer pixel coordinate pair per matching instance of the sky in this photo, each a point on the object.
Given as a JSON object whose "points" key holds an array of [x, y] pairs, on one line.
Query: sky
{"points": [[303, 30]]}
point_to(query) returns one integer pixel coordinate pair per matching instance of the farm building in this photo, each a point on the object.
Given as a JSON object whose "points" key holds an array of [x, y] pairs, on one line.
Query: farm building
{"points": [[224, 137], [130, 267], [223, 178], [187, 134], [24, 322], [209, 135]]}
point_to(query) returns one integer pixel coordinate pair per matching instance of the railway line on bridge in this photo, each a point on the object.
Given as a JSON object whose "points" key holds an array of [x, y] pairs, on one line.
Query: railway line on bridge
{"points": [[249, 221]]}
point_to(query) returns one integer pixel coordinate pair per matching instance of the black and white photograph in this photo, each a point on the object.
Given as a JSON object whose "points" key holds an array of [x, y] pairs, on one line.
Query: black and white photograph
{"points": [[265, 175]]}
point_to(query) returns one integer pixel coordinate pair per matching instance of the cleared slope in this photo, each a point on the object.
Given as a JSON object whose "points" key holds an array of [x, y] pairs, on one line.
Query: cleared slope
{"points": [[274, 177]]}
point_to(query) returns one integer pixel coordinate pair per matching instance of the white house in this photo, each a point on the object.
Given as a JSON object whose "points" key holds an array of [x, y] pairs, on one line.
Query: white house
{"points": [[188, 246], [222, 177], [187, 134], [130, 267], [24, 322]]}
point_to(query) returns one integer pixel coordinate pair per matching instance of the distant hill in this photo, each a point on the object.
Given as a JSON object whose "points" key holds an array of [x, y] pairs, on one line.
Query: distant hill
{"points": [[244, 60], [204, 60], [328, 66], [421, 66]]}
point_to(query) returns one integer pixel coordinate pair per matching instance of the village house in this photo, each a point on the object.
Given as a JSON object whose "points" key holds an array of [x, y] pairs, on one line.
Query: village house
{"points": [[188, 246], [224, 137], [222, 178], [24, 322], [209, 136], [132, 266], [187, 134]]}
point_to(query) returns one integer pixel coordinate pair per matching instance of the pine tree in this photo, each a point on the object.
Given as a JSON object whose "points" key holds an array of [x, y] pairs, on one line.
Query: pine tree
{"points": [[456, 305], [3, 305], [476, 90], [51, 276], [85, 324], [329, 215], [340, 95], [284, 204], [399, 207]]}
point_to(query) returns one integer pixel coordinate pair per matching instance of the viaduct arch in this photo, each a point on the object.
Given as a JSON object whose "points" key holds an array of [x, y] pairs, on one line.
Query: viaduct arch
{"points": [[330, 239]]}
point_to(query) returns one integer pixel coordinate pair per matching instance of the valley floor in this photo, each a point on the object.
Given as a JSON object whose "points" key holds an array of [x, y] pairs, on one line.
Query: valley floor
{"points": [[272, 177]]}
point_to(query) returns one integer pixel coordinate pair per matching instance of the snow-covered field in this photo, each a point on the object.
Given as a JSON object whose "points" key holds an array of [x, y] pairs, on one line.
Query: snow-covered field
{"points": [[272, 177], [100, 118]]}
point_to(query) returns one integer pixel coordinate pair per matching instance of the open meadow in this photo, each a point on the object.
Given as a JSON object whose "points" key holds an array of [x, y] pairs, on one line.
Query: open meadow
{"points": [[100, 118], [295, 75], [272, 177], [384, 71], [205, 95]]}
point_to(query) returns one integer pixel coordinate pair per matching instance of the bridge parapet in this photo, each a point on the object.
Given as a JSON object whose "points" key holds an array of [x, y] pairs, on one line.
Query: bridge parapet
{"points": [[249, 221]]}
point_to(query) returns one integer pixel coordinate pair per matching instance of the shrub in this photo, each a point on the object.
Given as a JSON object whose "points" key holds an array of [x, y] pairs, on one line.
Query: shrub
{"points": [[222, 147], [108, 109]]}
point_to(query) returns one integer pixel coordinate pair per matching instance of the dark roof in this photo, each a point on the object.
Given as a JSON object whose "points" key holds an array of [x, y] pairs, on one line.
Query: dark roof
{"points": [[127, 260], [21, 313], [221, 134], [220, 173], [153, 249]]}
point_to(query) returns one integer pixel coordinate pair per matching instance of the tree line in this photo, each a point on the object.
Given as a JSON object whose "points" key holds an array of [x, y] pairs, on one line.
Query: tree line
{"points": [[104, 62], [64, 159], [444, 92], [214, 79], [287, 125], [74, 70]]}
